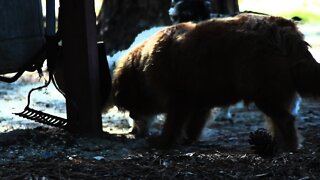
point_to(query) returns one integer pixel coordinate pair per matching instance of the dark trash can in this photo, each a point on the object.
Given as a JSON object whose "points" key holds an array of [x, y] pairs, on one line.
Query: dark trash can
{"points": [[21, 33]]}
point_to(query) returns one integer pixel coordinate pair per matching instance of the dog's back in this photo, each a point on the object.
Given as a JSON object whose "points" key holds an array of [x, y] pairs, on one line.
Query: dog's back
{"points": [[222, 61]]}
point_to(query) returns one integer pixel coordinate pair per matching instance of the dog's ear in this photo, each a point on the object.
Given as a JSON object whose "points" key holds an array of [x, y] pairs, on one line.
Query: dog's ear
{"points": [[306, 43], [296, 19]]}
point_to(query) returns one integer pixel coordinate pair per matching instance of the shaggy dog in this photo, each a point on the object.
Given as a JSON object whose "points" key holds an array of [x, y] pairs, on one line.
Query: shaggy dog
{"points": [[187, 69]]}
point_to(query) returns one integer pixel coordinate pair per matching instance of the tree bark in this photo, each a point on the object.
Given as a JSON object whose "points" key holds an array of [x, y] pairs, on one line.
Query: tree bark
{"points": [[120, 21], [225, 6]]}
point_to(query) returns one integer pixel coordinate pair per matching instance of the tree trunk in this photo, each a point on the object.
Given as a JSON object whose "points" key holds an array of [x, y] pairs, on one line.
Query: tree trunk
{"points": [[120, 21], [225, 6]]}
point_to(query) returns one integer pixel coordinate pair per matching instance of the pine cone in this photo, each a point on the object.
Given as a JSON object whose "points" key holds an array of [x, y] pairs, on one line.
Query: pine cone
{"points": [[262, 143]]}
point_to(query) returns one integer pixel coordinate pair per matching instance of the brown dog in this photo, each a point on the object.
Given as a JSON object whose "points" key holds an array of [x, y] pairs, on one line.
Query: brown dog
{"points": [[187, 69]]}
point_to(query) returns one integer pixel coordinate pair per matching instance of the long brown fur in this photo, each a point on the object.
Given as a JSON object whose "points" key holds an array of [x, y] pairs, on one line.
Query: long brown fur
{"points": [[187, 69]]}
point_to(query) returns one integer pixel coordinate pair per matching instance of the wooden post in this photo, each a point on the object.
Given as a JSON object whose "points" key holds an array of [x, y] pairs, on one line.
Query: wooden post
{"points": [[81, 68]]}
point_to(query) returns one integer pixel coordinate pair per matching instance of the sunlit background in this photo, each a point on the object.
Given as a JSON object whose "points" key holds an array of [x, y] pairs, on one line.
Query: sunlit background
{"points": [[97, 4], [308, 10]]}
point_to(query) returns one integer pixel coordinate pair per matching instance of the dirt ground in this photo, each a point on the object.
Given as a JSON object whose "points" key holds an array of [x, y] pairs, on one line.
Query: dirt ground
{"points": [[35, 151]]}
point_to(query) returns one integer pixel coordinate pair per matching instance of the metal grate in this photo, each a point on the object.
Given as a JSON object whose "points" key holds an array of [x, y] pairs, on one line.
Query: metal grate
{"points": [[39, 116], [42, 117]]}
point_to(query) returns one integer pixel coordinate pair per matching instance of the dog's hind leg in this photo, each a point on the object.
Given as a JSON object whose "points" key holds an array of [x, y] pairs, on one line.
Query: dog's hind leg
{"points": [[281, 123]]}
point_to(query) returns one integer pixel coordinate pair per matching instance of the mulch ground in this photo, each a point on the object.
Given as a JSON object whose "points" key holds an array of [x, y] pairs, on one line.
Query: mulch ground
{"points": [[46, 153]]}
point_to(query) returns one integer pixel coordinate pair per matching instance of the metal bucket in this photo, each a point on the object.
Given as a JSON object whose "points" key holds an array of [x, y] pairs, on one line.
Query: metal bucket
{"points": [[21, 33]]}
